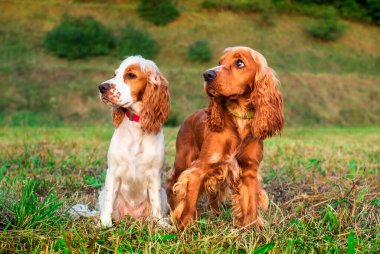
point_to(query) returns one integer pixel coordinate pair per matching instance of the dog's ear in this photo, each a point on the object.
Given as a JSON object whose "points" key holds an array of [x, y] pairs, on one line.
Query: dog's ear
{"points": [[215, 119], [267, 101], [118, 114], [155, 103]]}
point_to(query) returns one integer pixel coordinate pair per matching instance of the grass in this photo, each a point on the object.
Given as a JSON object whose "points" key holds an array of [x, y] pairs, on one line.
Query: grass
{"points": [[322, 183], [338, 78]]}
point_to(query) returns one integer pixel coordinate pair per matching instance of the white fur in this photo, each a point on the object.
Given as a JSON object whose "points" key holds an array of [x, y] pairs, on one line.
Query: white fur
{"points": [[122, 88], [135, 159]]}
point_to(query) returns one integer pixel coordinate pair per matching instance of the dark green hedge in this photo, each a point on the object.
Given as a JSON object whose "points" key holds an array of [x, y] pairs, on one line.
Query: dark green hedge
{"points": [[79, 37], [159, 12]]}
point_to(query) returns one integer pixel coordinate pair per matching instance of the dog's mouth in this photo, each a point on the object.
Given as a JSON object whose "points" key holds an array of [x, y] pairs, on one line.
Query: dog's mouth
{"points": [[110, 101], [211, 91]]}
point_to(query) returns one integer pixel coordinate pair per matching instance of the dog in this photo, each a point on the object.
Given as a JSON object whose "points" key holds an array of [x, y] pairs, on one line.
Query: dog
{"points": [[219, 149], [139, 96]]}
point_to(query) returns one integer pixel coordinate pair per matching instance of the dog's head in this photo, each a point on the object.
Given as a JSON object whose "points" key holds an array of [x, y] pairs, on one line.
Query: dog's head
{"points": [[244, 73], [138, 80]]}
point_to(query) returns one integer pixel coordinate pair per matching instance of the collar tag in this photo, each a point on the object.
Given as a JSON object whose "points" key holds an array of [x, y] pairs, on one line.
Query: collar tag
{"points": [[247, 115]]}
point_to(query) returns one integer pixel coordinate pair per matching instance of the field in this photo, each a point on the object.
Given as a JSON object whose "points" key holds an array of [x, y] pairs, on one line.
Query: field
{"points": [[323, 185], [322, 174]]}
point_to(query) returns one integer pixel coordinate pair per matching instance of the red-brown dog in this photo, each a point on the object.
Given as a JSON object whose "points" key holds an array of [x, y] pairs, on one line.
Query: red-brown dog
{"points": [[220, 148]]}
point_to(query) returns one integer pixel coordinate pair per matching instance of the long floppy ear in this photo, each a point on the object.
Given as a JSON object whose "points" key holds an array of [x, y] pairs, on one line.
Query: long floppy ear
{"points": [[155, 103], [215, 119], [267, 100], [118, 115]]}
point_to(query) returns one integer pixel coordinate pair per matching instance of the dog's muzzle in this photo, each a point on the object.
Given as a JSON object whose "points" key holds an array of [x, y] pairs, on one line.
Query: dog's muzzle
{"points": [[103, 88], [209, 75]]}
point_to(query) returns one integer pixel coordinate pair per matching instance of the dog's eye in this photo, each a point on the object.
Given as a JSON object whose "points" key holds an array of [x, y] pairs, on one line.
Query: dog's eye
{"points": [[131, 76], [239, 63], [219, 63]]}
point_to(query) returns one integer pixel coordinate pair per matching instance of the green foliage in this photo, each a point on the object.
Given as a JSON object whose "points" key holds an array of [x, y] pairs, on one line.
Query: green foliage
{"points": [[199, 51], [159, 12], [327, 27], [239, 5], [364, 10], [264, 248], [351, 243], [172, 120], [95, 181], [79, 37], [136, 42], [373, 7], [27, 210]]}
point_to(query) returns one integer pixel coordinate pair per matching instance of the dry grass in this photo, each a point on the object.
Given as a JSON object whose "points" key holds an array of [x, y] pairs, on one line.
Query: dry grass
{"points": [[322, 183]]}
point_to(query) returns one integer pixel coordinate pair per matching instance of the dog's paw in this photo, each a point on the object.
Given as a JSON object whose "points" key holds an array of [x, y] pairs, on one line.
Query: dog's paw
{"points": [[105, 221], [164, 223]]}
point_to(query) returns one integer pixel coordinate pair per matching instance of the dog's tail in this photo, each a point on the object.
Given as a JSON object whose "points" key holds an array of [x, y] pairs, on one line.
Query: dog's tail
{"points": [[82, 210]]}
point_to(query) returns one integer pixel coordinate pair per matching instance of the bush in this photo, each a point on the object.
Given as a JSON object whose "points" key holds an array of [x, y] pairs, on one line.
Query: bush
{"points": [[79, 37], [159, 12], [327, 27], [373, 7], [136, 42], [199, 52]]}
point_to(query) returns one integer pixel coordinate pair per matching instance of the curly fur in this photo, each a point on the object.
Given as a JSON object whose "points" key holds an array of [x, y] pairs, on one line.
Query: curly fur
{"points": [[155, 104], [118, 115], [215, 119], [267, 101]]}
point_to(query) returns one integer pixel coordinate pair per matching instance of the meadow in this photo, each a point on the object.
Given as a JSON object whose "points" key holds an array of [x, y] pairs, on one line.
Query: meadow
{"points": [[321, 175], [323, 186], [323, 83]]}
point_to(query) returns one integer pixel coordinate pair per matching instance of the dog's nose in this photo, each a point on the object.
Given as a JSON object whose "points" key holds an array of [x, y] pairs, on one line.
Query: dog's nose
{"points": [[104, 87], [209, 75]]}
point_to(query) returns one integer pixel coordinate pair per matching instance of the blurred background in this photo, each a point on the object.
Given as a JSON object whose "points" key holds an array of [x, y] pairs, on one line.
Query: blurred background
{"points": [[55, 53]]}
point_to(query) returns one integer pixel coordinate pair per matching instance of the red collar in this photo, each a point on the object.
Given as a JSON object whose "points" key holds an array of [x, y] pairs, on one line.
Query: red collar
{"points": [[132, 117]]}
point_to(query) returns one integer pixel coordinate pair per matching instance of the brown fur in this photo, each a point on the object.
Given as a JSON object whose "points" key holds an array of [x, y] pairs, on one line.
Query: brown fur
{"points": [[155, 104], [151, 88], [118, 114], [217, 151]]}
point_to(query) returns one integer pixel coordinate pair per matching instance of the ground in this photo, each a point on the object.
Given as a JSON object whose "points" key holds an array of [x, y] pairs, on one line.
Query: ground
{"points": [[323, 186]]}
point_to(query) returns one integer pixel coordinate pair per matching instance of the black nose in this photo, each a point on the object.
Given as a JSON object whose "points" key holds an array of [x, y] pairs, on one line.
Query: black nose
{"points": [[104, 87], [209, 75]]}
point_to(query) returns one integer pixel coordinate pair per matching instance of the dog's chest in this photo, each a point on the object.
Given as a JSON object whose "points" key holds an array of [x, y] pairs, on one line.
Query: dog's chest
{"points": [[133, 153]]}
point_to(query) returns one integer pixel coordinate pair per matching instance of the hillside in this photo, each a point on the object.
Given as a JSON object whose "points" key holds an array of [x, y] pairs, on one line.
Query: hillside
{"points": [[334, 83]]}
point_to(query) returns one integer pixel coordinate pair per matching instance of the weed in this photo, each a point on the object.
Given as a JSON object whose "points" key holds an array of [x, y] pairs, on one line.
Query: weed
{"points": [[27, 210]]}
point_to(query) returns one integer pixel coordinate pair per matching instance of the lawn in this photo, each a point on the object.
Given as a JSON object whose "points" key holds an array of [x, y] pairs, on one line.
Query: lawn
{"points": [[323, 185]]}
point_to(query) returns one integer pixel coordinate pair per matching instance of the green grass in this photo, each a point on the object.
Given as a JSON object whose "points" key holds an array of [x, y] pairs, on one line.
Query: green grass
{"points": [[324, 83], [322, 183]]}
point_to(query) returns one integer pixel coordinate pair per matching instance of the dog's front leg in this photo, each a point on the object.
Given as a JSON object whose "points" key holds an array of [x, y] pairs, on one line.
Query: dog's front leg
{"points": [[154, 191], [111, 186]]}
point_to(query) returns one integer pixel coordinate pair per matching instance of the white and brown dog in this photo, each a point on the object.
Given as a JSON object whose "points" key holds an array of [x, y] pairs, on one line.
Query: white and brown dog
{"points": [[140, 99]]}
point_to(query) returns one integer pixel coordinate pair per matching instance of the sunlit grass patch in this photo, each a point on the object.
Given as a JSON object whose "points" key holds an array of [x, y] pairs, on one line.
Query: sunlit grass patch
{"points": [[322, 184]]}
